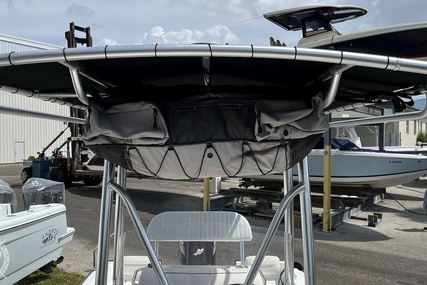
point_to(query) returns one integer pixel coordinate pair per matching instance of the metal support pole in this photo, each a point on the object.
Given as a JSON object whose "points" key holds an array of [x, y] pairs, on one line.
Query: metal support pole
{"points": [[242, 254], [307, 224], [133, 214], [335, 81], [326, 223], [75, 78], [104, 226], [270, 232], [381, 141], [206, 195], [119, 243], [288, 229], [34, 114]]}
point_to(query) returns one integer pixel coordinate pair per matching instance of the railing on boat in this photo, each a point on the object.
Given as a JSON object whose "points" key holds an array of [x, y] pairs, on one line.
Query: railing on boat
{"points": [[283, 211]]}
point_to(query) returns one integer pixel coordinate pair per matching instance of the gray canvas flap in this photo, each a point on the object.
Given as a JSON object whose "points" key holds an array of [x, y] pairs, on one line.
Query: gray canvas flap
{"points": [[130, 123]]}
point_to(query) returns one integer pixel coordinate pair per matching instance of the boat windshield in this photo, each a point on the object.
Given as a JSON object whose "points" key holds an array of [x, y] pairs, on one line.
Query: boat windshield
{"points": [[341, 144], [314, 26]]}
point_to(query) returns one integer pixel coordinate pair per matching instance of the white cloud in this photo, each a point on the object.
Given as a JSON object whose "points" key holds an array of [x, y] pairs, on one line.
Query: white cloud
{"points": [[184, 21], [216, 34], [77, 10], [16, 5], [106, 42]]}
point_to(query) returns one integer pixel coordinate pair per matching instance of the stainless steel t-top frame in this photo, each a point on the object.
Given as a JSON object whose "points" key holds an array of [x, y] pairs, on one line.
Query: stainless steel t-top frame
{"points": [[342, 61], [110, 187]]}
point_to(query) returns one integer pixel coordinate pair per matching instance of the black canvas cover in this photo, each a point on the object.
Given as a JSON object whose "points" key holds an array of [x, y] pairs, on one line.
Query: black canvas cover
{"points": [[213, 137]]}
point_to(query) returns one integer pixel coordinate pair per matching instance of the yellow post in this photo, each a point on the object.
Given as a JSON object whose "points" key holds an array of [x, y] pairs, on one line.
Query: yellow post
{"points": [[206, 195], [326, 226], [327, 188]]}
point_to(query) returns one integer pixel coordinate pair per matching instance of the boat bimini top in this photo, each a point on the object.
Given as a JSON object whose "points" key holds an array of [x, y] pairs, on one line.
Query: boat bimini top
{"points": [[203, 110]]}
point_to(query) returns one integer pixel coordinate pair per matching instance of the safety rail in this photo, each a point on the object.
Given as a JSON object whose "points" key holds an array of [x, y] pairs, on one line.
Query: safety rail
{"points": [[302, 188]]}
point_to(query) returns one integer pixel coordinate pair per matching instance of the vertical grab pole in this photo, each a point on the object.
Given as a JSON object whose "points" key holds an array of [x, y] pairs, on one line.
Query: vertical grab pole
{"points": [[133, 215], [274, 225], [104, 226], [289, 229], [206, 195], [119, 243], [307, 224]]}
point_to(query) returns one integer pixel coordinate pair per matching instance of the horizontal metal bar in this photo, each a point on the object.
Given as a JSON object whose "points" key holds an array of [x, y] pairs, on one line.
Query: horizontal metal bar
{"points": [[416, 115], [53, 98], [33, 114], [208, 50]]}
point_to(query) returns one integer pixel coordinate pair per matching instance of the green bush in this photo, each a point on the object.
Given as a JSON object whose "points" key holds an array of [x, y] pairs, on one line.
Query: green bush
{"points": [[421, 137]]}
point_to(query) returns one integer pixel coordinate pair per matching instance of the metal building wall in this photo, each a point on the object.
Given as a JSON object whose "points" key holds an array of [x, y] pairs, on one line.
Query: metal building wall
{"points": [[25, 136]]}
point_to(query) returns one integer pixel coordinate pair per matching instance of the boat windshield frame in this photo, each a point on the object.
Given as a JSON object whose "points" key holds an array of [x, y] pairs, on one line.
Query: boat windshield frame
{"points": [[315, 25], [296, 19]]}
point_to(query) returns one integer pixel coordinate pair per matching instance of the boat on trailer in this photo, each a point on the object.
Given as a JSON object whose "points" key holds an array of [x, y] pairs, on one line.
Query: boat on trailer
{"points": [[355, 167], [205, 110], [32, 239]]}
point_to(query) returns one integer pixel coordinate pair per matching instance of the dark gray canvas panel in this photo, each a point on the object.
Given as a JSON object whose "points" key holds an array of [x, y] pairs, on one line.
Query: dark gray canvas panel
{"points": [[191, 139], [130, 123]]}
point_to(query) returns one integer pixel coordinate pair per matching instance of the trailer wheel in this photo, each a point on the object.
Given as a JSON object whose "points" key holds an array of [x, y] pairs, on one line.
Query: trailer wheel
{"points": [[26, 174], [92, 180], [60, 175]]}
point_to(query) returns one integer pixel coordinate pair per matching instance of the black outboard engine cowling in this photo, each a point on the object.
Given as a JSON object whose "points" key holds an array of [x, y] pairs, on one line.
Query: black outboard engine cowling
{"points": [[197, 253]]}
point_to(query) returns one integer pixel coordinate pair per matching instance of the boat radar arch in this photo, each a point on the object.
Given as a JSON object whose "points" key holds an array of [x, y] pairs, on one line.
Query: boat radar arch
{"points": [[315, 21]]}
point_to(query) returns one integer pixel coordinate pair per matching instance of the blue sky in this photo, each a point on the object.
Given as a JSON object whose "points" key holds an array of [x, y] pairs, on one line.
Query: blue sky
{"points": [[238, 22]]}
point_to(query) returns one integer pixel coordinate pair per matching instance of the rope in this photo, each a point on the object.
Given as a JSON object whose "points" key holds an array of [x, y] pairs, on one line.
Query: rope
{"points": [[412, 212]]}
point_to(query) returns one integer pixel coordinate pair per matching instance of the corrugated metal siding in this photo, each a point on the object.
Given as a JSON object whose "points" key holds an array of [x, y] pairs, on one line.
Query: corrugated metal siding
{"points": [[35, 133]]}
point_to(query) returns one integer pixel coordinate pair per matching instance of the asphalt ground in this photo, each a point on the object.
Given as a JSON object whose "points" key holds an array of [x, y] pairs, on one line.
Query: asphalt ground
{"points": [[392, 252]]}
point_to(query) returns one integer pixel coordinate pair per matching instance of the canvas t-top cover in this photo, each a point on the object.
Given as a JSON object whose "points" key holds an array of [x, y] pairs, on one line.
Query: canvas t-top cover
{"points": [[210, 137]]}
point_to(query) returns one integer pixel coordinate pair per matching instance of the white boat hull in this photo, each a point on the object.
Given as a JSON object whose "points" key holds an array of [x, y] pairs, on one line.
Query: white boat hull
{"points": [[31, 239], [361, 169]]}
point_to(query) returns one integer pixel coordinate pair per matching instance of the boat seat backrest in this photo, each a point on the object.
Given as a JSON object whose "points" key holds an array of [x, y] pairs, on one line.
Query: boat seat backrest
{"points": [[199, 226], [198, 275]]}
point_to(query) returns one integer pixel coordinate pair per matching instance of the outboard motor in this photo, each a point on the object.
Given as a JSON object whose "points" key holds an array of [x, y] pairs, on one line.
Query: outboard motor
{"points": [[197, 253], [8, 196], [38, 191]]}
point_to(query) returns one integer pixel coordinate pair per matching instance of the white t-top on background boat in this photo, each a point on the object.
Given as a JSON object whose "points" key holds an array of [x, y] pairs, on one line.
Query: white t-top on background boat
{"points": [[316, 24]]}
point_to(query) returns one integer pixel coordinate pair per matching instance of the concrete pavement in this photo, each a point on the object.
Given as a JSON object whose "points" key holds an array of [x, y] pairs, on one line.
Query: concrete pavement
{"points": [[393, 252]]}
